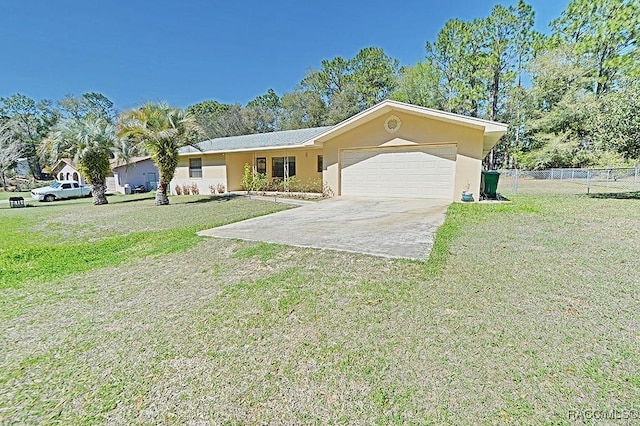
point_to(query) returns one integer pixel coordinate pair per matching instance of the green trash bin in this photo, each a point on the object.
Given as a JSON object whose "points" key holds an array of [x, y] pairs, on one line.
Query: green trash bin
{"points": [[490, 186]]}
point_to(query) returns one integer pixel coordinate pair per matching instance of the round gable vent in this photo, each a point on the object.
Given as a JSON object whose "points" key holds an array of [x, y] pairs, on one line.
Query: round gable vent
{"points": [[392, 124]]}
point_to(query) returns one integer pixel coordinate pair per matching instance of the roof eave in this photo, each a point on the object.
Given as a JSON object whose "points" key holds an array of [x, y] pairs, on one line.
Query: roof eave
{"points": [[490, 140], [265, 148], [117, 165]]}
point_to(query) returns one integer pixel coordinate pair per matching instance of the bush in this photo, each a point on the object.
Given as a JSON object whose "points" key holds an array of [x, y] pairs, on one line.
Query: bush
{"points": [[307, 185], [194, 189], [217, 189], [253, 181], [247, 178], [260, 182], [178, 190], [186, 189], [326, 190]]}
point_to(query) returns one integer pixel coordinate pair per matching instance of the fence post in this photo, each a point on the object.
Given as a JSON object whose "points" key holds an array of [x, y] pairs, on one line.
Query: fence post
{"points": [[515, 182], [588, 179]]}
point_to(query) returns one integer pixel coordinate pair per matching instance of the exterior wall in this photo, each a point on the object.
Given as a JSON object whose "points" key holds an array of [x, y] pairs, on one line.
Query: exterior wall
{"points": [[111, 183], [235, 168], [140, 173], [214, 172], [69, 173], [413, 130], [306, 164]]}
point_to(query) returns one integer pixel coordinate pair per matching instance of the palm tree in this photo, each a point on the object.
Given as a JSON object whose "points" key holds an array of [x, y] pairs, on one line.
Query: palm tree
{"points": [[162, 131], [90, 142]]}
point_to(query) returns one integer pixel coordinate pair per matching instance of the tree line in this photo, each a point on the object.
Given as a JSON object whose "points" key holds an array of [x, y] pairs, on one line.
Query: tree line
{"points": [[571, 97]]}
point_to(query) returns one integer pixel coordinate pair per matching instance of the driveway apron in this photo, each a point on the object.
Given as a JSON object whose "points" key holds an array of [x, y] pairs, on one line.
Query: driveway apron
{"points": [[389, 227]]}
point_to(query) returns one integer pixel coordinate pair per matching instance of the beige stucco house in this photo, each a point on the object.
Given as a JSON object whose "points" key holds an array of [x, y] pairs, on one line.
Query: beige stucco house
{"points": [[392, 149]]}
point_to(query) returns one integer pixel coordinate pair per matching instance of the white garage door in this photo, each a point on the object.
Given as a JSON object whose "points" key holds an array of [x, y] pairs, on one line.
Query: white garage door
{"points": [[416, 172]]}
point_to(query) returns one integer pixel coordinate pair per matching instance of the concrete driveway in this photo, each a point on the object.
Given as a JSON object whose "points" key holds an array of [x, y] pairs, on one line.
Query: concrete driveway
{"points": [[389, 227]]}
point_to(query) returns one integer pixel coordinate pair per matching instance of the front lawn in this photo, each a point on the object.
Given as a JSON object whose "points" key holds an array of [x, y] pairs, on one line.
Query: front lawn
{"points": [[6, 195], [526, 313]]}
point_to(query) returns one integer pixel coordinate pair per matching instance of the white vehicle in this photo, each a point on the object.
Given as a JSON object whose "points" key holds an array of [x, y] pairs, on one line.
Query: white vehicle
{"points": [[61, 190]]}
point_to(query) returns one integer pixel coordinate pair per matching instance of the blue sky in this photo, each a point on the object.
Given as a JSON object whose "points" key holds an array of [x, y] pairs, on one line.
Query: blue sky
{"points": [[188, 51]]}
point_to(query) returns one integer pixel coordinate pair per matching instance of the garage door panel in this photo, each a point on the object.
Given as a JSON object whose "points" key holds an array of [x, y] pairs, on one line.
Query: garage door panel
{"points": [[417, 172]]}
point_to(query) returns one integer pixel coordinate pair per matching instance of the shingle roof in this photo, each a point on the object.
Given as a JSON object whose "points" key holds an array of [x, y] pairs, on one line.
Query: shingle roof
{"points": [[115, 163], [259, 140]]}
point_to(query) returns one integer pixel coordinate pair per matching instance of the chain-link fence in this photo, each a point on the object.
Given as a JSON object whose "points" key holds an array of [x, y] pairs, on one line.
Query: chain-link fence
{"points": [[569, 181]]}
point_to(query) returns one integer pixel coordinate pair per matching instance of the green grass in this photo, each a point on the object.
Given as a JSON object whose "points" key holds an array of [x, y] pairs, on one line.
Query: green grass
{"points": [[524, 312], [73, 239], [44, 262], [460, 215], [6, 195]]}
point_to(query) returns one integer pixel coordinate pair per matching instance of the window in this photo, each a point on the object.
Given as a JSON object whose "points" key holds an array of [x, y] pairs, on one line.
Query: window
{"points": [[261, 165], [195, 167], [320, 163], [66, 186], [75, 185], [280, 164]]}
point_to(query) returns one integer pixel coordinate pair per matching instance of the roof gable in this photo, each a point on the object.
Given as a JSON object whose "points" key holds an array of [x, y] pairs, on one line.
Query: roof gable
{"points": [[490, 128], [61, 163]]}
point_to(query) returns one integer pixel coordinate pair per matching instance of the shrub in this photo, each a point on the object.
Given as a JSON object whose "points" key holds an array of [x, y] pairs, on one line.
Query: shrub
{"points": [[194, 189], [217, 189], [291, 185], [178, 190], [272, 185], [326, 190], [253, 181], [186, 189], [247, 178], [260, 182], [307, 185]]}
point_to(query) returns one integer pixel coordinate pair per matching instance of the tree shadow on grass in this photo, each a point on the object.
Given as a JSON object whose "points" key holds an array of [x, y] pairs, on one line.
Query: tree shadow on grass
{"points": [[617, 195], [133, 200], [213, 198]]}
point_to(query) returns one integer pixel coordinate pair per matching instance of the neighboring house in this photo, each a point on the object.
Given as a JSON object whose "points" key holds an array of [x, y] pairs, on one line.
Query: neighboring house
{"points": [[392, 149], [65, 169], [138, 171]]}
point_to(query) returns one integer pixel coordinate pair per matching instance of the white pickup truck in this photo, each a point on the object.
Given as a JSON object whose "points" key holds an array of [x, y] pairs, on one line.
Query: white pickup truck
{"points": [[61, 190]]}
